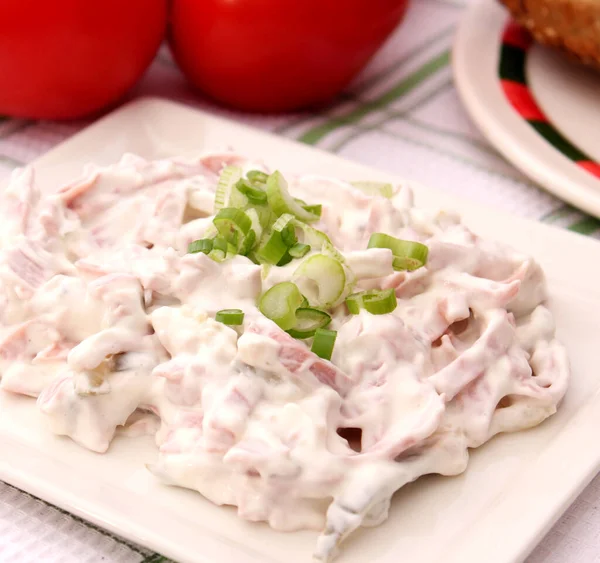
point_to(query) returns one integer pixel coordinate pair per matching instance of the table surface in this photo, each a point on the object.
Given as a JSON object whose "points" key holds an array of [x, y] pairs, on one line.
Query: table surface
{"points": [[403, 115]]}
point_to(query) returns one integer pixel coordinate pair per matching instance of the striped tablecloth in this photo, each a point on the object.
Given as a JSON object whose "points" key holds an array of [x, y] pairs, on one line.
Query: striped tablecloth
{"points": [[402, 114]]}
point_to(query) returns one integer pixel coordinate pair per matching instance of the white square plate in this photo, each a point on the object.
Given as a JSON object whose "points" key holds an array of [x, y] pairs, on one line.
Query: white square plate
{"points": [[516, 486]]}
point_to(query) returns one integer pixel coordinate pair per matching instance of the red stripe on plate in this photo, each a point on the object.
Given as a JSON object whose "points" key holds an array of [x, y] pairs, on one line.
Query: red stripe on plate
{"points": [[516, 36], [592, 167], [522, 100]]}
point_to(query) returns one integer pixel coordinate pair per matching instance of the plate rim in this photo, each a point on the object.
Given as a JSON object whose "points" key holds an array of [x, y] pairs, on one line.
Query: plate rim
{"points": [[479, 88]]}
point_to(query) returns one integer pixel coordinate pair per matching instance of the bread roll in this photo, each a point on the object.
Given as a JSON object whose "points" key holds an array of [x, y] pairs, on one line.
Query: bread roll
{"points": [[570, 25]]}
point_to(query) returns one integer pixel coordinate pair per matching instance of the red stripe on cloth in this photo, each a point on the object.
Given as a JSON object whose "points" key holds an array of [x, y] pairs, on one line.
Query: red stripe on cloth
{"points": [[516, 36], [521, 99], [592, 167]]}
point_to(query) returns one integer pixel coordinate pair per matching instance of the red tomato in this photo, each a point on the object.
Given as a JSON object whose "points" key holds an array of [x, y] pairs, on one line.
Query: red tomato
{"points": [[68, 58], [277, 55]]}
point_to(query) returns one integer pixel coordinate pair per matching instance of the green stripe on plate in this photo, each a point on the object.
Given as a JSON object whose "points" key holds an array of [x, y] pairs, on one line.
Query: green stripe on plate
{"points": [[313, 136], [559, 142], [585, 226], [512, 64]]}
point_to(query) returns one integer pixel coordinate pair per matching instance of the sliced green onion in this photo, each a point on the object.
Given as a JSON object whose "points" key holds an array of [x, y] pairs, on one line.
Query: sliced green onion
{"points": [[323, 343], [204, 245], [248, 243], [408, 255], [282, 202], [227, 180], [375, 301], [257, 176], [380, 304], [236, 227], [273, 249], [286, 226], [253, 257], [332, 251], [311, 236], [308, 320], [354, 303], [254, 194], [219, 250], [286, 259], [314, 209], [375, 188], [299, 250], [231, 223], [321, 279], [255, 220], [280, 304], [304, 303], [265, 215], [233, 317]]}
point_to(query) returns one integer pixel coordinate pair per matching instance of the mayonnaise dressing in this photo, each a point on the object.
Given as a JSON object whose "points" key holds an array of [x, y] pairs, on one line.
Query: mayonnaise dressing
{"points": [[109, 322]]}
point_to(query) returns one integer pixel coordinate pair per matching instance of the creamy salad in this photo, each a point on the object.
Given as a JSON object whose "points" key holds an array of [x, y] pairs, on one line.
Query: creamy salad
{"points": [[300, 346]]}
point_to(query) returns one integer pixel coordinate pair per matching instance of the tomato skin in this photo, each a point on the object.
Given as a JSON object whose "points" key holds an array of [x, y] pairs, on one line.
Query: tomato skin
{"points": [[63, 59], [278, 55]]}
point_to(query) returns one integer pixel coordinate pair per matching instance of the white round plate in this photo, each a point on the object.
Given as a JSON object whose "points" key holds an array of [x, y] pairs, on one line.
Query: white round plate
{"points": [[537, 107]]}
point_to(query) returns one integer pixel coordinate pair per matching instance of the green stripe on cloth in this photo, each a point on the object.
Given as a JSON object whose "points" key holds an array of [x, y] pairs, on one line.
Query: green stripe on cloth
{"points": [[10, 161], [556, 214], [512, 64], [154, 558], [561, 144], [313, 136], [585, 226], [386, 116], [385, 72], [407, 57]]}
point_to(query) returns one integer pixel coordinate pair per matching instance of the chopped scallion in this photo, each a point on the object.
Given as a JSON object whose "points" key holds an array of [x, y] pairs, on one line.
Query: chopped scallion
{"points": [[308, 320], [282, 202], [235, 227], [408, 255], [314, 209], [248, 243], [280, 304], [323, 343], [375, 301], [375, 188], [286, 259], [219, 250], [233, 317], [204, 245], [254, 194], [286, 226], [227, 180], [257, 176], [321, 279], [299, 250], [273, 249]]}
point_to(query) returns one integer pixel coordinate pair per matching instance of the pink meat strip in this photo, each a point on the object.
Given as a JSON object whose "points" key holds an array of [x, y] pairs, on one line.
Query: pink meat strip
{"points": [[493, 343], [296, 358], [30, 263]]}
